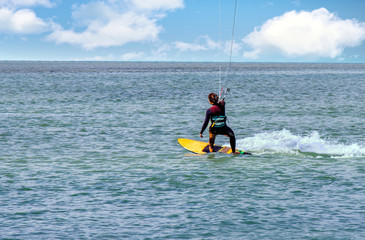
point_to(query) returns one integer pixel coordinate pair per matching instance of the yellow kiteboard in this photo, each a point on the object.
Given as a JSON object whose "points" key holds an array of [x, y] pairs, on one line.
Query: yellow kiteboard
{"points": [[203, 147]]}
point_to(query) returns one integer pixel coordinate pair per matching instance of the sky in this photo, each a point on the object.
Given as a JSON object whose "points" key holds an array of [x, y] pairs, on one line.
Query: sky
{"points": [[183, 30]]}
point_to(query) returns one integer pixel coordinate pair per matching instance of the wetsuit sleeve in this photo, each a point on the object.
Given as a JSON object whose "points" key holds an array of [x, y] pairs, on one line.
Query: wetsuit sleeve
{"points": [[205, 124]]}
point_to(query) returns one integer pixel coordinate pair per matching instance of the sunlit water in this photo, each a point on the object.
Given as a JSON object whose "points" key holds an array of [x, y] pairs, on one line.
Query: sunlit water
{"points": [[88, 150]]}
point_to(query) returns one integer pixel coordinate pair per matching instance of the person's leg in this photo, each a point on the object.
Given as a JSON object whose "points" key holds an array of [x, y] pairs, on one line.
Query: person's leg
{"points": [[232, 139], [211, 141]]}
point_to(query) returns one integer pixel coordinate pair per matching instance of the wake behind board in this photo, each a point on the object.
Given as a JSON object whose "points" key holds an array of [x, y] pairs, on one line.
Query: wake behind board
{"points": [[203, 147]]}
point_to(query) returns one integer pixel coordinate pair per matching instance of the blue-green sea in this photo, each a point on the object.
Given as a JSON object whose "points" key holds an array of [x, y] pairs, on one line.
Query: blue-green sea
{"points": [[88, 150]]}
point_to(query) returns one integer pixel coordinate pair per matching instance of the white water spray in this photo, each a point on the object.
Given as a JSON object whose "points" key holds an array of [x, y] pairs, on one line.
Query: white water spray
{"points": [[285, 142]]}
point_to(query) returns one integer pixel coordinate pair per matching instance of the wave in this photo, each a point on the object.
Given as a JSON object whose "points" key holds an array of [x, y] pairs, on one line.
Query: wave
{"points": [[285, 142]]}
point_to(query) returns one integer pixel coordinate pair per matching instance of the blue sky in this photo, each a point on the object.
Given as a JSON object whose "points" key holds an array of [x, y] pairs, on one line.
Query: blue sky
{"points": [[183, 30]]}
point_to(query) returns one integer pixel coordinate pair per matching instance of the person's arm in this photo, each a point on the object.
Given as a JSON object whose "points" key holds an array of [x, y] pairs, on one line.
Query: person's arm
{"points": [[205, 124]]}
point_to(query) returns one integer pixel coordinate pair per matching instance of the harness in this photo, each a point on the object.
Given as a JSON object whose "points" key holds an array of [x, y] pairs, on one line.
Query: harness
{"points": [[218, 121]]}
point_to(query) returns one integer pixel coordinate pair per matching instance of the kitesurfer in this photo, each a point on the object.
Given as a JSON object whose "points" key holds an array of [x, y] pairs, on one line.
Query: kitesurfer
{"points": [[217, 116]]}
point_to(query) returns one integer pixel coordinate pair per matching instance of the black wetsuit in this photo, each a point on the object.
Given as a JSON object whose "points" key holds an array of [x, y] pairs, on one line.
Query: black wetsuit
{"points": [[216, 114]]}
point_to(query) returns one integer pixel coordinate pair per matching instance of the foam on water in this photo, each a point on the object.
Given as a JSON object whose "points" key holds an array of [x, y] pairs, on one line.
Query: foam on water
{"points": [[284, 141]]}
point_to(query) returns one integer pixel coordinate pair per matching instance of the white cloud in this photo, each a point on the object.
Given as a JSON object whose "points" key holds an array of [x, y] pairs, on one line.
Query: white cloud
{"points": [[183, 46], [305, 34], [201, 44], [125, 28], [236, 47], [23, 21], [158, 4], [107, 24], [16, 19], [205, 43], [25, 3], [160, 53], [132, 56]]}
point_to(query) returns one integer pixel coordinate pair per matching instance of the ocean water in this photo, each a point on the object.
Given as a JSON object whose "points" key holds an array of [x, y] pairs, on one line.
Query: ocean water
{"points": [[88, 150]]}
